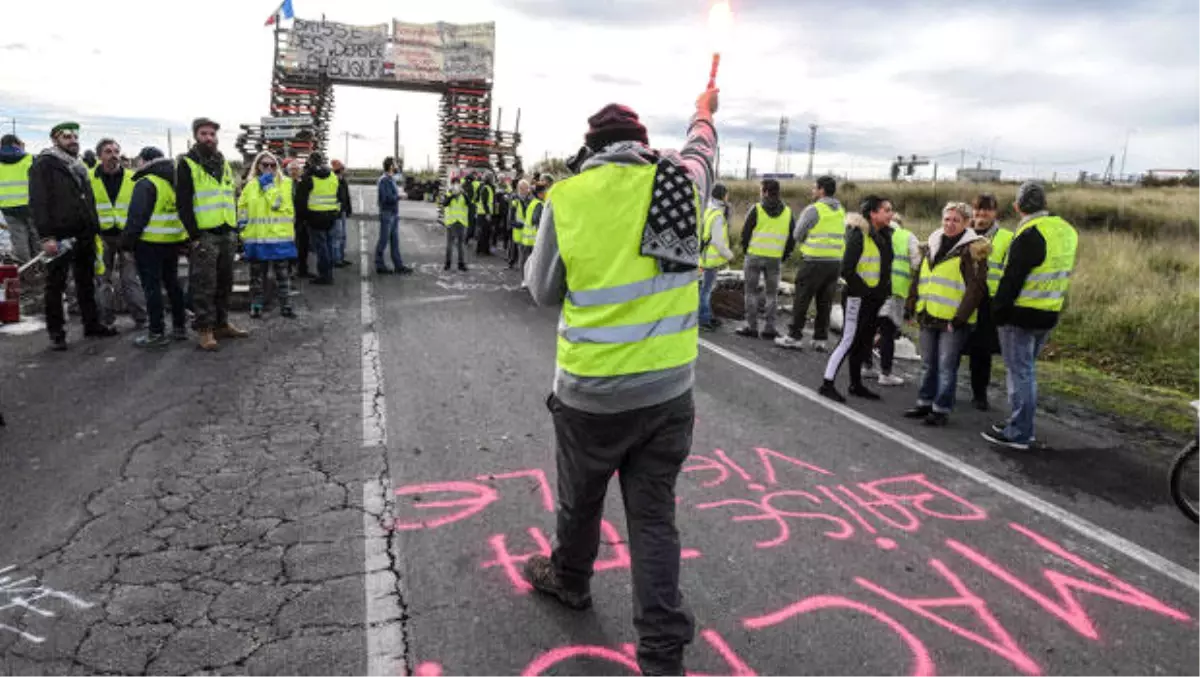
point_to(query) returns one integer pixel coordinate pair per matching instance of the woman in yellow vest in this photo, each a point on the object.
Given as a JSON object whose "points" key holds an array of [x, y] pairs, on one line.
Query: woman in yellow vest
{"points": [[266, 220], [947, 291], [517, 215], [456, 212]]}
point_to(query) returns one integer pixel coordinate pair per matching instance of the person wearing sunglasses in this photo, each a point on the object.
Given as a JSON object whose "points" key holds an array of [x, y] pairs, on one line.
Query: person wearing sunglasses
{"points": [[63, 207], [266, 219]]}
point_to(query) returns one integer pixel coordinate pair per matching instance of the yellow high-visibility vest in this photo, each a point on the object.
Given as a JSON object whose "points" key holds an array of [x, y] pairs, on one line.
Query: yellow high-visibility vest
{"points": [[323, 197], [520, 211], [869, 266], [165, 227], [827, 239], [14, 183], [1046, 286], [213, 203], [621, 315], [1001, 241], [770, 233], [940, 289], [266, 224], [112, 214], [456, 211], [901, 263], [531, 226], [711, 257]]}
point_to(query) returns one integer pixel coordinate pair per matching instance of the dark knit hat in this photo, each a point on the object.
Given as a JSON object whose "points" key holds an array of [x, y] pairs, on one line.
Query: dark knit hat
{"points": [[64, 127], [150, 154], [614, 123], [204, 122], [1031, 197]]}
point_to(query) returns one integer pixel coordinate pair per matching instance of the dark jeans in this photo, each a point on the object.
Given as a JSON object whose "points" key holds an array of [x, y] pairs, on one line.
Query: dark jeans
{"points": [[983, 342], [321, 242], [887, 345], [302, 250], [815, 280], [211, 278], [455, 235], [81, 263], [158, 266], [483, 245], [389, 235], [941, 351], [647, 446], [858, 335]]}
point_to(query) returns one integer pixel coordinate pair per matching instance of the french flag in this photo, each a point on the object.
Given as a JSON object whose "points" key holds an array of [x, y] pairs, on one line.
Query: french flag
{"points": [[285, 8]]}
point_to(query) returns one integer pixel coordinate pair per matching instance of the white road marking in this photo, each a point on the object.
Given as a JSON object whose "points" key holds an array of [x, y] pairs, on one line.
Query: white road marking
{"points": [[374, 404], [385, 636], [434, 299], [1132, 550]]}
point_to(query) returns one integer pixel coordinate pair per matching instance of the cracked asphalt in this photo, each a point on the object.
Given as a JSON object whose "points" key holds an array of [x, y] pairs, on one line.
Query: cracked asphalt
{"points": [[354, 491]]}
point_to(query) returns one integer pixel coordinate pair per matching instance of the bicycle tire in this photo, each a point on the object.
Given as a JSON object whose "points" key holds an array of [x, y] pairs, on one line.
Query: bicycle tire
{"points": [[1178, 467]]}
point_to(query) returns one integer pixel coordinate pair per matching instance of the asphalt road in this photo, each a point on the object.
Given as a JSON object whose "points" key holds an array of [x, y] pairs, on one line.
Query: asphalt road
{"points": [[354, 491]]}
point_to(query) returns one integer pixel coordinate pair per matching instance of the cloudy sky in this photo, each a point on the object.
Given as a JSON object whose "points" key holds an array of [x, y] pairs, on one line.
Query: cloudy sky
{"points": [[1030, 86]]}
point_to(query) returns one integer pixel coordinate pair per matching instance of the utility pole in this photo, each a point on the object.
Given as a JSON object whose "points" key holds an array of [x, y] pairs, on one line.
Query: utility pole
{"points": [[396, 141], [346, 156], [170, 148], [749, 148], [812, 150], [780, 144]]}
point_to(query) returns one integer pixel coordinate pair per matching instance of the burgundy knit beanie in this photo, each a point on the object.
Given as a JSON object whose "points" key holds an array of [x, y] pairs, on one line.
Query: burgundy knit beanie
{"points": [[614, 123]]}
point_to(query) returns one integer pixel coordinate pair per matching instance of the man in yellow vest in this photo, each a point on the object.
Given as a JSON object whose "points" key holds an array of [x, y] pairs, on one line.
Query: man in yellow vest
{"points": [[716, 254], [767, 241], [984, 341], [518, 206], [153, 232], [1031, 295], [627, 345], [113, 186], [485, 207], [456, 212], [820, 233], [204, 197], [14, 197], [318, 209]]}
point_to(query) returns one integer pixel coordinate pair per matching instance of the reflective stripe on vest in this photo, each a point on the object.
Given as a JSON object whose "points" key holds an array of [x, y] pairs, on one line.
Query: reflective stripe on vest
{"points": [[531, 227], [1001, 241], [901, 263], [112, 214], [711, 257], [266, 224], [520, 211], [941, 290], [323, 197], [14, 183], [621, 315], [485, 197], [213, 204], [869, 265], [770, 233], [1046, 286], [827, 239], [456, 211], [165, 227]]}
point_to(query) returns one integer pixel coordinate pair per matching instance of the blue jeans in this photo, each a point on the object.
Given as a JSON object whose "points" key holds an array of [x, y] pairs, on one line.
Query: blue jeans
{"points": [[1020, 348], [389, 234], [707, 283], [321, 243], [940, 353], [339, 240], [158, 266]]}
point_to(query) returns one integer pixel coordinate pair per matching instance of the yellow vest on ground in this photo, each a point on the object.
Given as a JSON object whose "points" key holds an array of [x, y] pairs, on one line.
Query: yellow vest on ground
{"points": [[1001, 241], [941, 289], [827, 239], [869, 266], [14, 183], [710, 257], [531, 227], [1046, 286], [901, 263], [112, 214], [621, 314], [213, 203], [165, 227], [456, 211], [520, 210], [770, 233], [323, 197]]}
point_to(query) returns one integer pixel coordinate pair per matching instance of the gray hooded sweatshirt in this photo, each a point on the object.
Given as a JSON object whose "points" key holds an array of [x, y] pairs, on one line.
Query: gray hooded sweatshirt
{"points": [[546, 275]]}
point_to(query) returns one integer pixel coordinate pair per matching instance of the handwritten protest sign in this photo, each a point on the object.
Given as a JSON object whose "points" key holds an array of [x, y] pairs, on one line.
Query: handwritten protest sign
{"points": [[341, 50]]}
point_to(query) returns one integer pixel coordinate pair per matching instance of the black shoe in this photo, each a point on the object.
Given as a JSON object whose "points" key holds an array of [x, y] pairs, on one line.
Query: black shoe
{"points": [[2, 423], [343, 264], [981, 405], [919, 411], [747, 331], [708, 326], [540, 572], [287, 312], [1000, 440], [405, 270], [446, 267], [100, 331], [383, 271], [937, 419], [828, 390], [998, 428], [769, 335], [58, 343], [462, 267], [323, 281], [862, 391]]}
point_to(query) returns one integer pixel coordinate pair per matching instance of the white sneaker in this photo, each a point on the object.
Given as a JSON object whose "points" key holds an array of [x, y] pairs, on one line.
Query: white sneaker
{"points": [[890, 380], [820, 347], [788, 342], [523, 285]]}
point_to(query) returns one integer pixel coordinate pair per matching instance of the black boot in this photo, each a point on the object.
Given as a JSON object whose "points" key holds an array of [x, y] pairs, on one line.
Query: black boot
{"points": [[828, 390], [540, 572], [860, 390]]}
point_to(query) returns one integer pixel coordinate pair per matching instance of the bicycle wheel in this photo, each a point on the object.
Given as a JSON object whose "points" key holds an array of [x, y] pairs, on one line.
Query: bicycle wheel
{"points": [[1185, 481]]}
